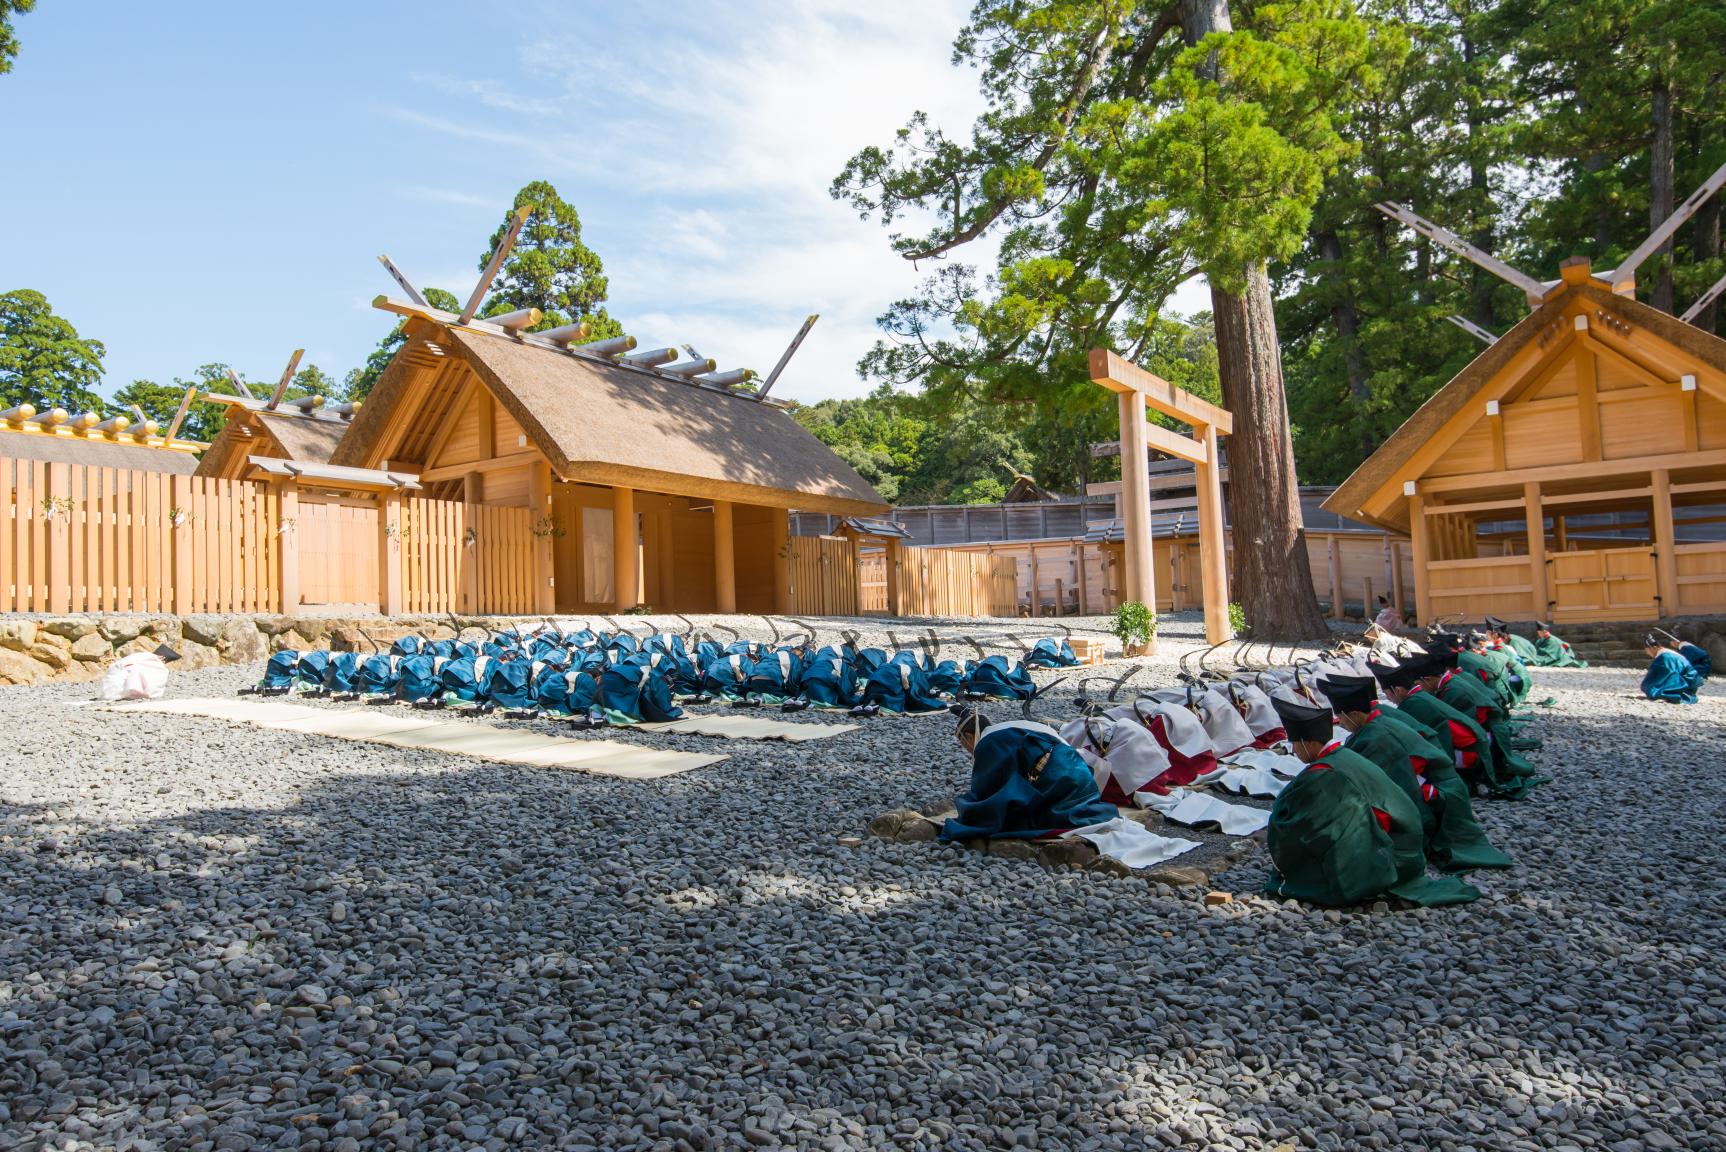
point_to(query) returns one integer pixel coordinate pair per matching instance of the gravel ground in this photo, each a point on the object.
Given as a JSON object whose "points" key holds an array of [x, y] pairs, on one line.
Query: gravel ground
{"points": [[218, 937]]}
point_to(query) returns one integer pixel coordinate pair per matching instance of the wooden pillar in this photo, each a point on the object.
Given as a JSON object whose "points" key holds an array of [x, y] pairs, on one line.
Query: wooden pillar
{"points": [[1213, 542], [1417, 539], [1665, 544], [891, 564], [724, 558], [1536, 518], [390, 589], [1560, 534], [182, 576], [288, 548], [58, 540], [473, 487], [1036, 583], [1334, 556], [544, 597], [780, 542], [625, 549], [1398, 596], [1141, 577], [1366, 610], [1084, 582]]}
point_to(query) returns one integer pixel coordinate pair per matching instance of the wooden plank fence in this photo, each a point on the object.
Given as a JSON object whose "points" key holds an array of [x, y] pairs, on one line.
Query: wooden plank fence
{"points": [[74, 538], [824, 577], [77, 538]]}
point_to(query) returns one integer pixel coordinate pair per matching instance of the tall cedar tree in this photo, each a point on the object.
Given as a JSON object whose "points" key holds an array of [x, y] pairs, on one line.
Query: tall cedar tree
{"points": [[550, 268], [43, 360], [8, 37], [1125, 148]]}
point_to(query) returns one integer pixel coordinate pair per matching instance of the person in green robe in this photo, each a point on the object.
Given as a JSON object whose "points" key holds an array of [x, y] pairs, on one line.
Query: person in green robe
{"points": [[1509, 775], [1551, 652], [1498, 637], [1341, 832], [1455, 841], [1521, 645], [1479, 659], [1470, 745]]}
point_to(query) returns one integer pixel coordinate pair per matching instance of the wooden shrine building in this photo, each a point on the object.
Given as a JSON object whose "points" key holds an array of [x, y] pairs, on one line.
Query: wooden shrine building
{"points": [[1572, 472], [303, 431], [58, 437], [645, 484]]}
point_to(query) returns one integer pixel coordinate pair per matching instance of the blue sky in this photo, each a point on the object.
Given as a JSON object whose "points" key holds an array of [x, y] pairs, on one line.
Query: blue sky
{"points": [[213, 181]]}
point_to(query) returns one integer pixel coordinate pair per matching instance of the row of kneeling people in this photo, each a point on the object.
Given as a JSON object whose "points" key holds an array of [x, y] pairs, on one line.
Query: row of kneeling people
{"points": [[1383, 758], [619, 678]]}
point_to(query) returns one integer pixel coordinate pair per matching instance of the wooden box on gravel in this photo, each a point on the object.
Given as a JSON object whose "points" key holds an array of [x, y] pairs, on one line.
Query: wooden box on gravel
{"points": [[1087, 651]]}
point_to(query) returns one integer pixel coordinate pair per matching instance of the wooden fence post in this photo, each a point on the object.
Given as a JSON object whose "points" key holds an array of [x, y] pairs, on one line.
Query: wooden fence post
{"points": [[180, 552], [390, 590], [287, 548], [1336, 609], [544, 563], [58, 510]]}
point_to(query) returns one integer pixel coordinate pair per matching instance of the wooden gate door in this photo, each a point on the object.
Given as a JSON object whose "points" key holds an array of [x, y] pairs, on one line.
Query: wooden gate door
{"points": [[338, 540], [1603, 584]]}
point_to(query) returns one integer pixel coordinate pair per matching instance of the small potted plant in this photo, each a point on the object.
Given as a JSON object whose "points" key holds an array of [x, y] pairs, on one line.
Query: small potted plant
{"points": [[1135, 626]]}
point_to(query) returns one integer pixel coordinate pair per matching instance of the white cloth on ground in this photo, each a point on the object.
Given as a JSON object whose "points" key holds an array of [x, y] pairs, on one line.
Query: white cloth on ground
{"points": [[1181, 806], [1285, 764], [140, 676], [1132, 843], [1246, 781]]}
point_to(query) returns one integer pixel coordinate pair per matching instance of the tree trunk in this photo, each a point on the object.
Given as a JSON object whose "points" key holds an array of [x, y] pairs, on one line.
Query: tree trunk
{"points": [[1347, 321], [1705, 240], [1481, 284], [1660, 191], [1272, 578]]}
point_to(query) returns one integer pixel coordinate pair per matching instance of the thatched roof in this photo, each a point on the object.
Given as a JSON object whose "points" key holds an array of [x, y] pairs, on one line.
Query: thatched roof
{"points": [[608, 424], [1458, 395], [311, 439], [96, 452]]}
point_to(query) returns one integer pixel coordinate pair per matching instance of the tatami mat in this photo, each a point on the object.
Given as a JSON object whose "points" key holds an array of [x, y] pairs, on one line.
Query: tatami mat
{"points": [[747, 728], [402, 730]]}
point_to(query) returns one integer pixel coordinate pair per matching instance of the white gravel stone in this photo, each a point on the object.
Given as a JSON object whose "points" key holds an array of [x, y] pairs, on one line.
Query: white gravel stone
{"points": [[255, 939]]}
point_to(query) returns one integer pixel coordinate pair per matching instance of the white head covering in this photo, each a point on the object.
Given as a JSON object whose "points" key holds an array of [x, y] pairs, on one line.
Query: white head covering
{"points": [[1228, 731], [1118, 750]]}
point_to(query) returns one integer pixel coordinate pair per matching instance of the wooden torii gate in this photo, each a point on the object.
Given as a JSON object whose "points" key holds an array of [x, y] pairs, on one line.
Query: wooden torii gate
{"points": [[1138, 389]]}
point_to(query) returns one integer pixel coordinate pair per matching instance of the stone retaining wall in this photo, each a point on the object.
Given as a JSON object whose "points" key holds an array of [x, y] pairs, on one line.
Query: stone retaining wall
{"points": [[39, 649]]}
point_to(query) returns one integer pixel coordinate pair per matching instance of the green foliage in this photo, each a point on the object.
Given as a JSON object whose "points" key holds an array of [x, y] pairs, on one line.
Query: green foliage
{"points": [[1237, 618], [43, 360], [160, 401], [550, 268], [8, 37], [1133, 623], [1112, 163], [357, 385]]}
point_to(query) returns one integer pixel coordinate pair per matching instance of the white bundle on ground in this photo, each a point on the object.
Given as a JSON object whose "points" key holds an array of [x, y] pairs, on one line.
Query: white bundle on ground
{"points": [[1195, 809], [140, 676], [1132, 843]]}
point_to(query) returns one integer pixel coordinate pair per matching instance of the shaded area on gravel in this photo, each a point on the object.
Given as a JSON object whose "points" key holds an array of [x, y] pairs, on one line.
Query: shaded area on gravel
{"points": [[214, 936]]}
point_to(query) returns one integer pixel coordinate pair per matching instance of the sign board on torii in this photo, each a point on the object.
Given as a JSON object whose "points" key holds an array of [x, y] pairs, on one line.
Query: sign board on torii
{"points": [[1138, 389]]}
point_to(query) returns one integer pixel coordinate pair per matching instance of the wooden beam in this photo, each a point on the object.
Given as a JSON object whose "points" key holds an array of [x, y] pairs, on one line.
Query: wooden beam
{"points": [[491, 268], [625, 550], [1422, 557], [1397, 595], [413, 293], [791, 350], [1610, 496], [287, 547], [287, 378], [1141, 579], [496, 463], [1531, 288], [544, 597], [1121, 375], [1699, 486], [1557, 473], [391, 588], [1665, 541], [1535, 518], [180, 414], [1335, 566], [1213, 542], [724, 557], [1475, 506], [1587, 400]]}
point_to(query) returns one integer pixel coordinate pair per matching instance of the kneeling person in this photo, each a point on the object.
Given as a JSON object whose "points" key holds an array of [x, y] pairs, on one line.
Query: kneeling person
{"points": [[1025, 782], [1341, 832]]}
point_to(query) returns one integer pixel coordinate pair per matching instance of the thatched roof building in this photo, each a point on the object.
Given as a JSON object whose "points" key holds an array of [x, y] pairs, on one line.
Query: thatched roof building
{"points": [[298, 431], [57, 437], [649, 486], [1596, 410]]}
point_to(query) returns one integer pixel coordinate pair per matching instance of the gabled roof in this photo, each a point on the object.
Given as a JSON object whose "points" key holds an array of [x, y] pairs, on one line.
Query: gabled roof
{"points": [[308, 437], [603, 423], [1460, 393]]}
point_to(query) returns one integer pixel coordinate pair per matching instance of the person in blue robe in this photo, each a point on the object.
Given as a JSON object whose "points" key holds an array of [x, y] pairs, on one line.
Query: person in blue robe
{"points": [[1670, 677], [901, 686], [992, 677], [1694, 653], [1050, 653], [1025, 783], [828, 680]]}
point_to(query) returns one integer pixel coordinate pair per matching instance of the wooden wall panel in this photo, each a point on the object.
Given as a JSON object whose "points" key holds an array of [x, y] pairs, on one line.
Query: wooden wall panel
{"points": [[1644, 425], [1711, 421], [824, 578], [506, 433], [1701, 578], [1471, 453], [1470, 589], [1536, 435], [1562, 381], [691, 561], [505, 488], [463, 445]]}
